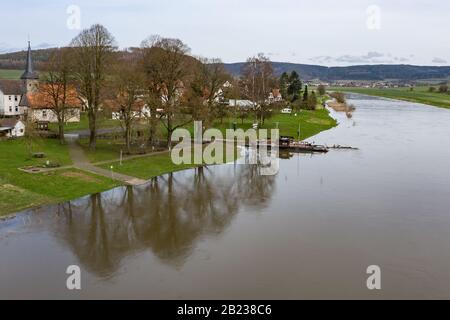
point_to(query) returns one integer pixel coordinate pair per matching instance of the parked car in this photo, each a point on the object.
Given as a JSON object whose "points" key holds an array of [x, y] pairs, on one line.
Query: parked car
{"points": [[286, 110]]}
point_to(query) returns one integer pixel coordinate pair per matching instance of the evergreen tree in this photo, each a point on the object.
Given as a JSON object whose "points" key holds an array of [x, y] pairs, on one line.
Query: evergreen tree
{"points": [[305, 94], [295, 84], [284, 84]]}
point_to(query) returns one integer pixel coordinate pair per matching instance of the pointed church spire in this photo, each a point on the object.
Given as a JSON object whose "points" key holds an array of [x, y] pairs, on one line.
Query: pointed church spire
{"points": [[29, 73]]}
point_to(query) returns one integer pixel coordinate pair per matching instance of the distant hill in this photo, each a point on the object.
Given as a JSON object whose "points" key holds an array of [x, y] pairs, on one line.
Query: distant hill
{"points": [[16, 60], [363, 72]]}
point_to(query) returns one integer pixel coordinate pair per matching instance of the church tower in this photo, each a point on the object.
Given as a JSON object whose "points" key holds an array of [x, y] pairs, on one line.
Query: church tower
{"points": [[30, 79]]}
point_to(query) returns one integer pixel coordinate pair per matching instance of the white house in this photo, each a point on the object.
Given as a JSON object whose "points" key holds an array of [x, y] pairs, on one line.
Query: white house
{"points": [[10, 94], [11, 128], [12, 91], [40, 108], [241, 104], [275, 96]]}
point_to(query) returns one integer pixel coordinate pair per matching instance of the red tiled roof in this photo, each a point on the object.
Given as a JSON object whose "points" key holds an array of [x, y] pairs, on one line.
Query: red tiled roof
{"points": [[11, 87], [42, 99]]}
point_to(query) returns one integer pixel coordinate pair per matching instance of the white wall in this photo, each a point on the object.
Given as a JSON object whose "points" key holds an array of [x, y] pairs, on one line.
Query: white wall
{"points": [[19, 130], [9, 105], [72, 115], [1, 102]]}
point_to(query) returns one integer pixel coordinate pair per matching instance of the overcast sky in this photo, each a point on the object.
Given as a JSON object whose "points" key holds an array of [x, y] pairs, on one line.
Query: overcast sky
{"points": [[325, 32]]}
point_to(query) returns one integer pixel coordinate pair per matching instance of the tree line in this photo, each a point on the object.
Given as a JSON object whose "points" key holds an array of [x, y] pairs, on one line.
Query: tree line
{"points": [[159, 82]]}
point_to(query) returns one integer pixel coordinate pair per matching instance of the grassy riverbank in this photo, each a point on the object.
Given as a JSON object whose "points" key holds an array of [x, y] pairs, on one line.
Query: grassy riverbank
{"points": [[419, 94], [20, 190], [311, 123], [84, 124]]}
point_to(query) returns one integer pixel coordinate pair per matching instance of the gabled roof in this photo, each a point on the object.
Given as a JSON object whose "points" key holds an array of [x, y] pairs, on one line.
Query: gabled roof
{"points": [[8, 122], [29, 74], [115, 105], [11, 87], [276, 93], [42, 99]]}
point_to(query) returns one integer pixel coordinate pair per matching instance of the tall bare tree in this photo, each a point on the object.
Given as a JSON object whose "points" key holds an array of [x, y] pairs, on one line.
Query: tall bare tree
{"points": [[93, 50], [57, 90], [208, 91], [127, 90], [167, 70], [256, 82]]}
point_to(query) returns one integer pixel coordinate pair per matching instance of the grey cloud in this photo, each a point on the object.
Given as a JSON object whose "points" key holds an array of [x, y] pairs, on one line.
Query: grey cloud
{"points": [[439, 60], [372, 57], [6, 48], [44, 45]]}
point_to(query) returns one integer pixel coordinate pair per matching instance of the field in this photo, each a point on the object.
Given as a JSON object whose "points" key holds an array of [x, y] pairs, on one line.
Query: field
{"points": [[419, 95], [20, 190], [84, 124], [10, 74], [311, 123]]}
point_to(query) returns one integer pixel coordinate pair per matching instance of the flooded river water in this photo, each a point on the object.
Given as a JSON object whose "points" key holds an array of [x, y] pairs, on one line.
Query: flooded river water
{"points": [[310, 231]]}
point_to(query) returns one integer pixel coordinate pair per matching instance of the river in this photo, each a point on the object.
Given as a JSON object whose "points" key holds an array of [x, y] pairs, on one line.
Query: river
{"points": [[309, 232]]}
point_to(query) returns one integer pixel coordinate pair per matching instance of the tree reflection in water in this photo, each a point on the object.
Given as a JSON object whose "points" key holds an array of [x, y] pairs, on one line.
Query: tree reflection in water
{"points": [[167, 215]]}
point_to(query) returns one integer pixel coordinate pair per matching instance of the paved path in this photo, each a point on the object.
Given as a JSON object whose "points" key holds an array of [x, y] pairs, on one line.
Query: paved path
{"points": [[81, 162]]}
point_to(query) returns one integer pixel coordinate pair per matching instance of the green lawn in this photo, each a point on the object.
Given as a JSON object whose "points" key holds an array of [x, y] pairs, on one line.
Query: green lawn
{"points": [[10, 74], [84, 124], [311, 123], [419, 94], [148, 167], [20, 190], [105, 149]]}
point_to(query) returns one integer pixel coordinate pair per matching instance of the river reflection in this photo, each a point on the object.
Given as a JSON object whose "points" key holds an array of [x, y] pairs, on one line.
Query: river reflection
{"points": [[166, 216], [226, 232]]}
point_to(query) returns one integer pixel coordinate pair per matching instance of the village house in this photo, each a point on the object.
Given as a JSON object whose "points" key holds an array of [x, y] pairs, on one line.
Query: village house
{"points": [[40, 107], [274, 96], [25, 99], [11, 128], [10, 95], [241, 104]]}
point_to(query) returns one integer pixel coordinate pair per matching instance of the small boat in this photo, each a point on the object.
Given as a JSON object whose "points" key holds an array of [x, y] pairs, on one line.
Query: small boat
{"points": [[288, 143], [307, 147], [342, 147]]}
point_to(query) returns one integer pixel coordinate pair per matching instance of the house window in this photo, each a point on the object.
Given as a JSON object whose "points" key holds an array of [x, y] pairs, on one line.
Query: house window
{"points": [[17, 109], [44, 113], [9, 98], [15, 98], [10, 109], [21, 130]]}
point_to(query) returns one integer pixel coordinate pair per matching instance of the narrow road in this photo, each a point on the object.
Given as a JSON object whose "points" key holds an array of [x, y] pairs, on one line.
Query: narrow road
{"points": [[81, 162]]}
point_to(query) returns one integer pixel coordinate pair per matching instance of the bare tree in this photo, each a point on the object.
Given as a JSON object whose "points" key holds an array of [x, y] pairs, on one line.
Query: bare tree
{"points": [[57, 91], [208, 91], [166, 67], [127, 100], [257, 81], [92, 49]]}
